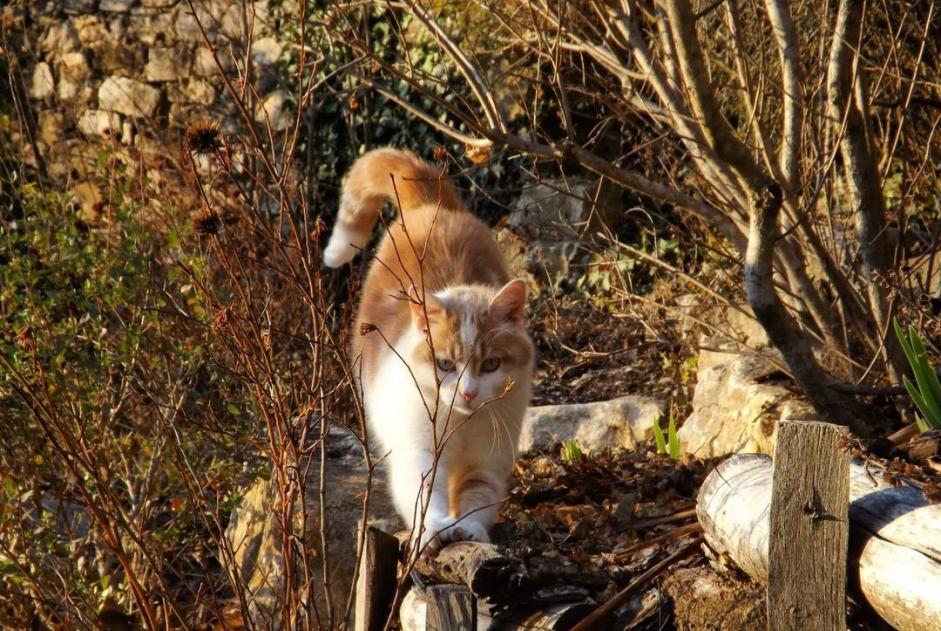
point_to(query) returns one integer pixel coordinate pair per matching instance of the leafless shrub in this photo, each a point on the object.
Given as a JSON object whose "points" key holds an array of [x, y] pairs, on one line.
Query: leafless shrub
{"points": [[786, 133]]}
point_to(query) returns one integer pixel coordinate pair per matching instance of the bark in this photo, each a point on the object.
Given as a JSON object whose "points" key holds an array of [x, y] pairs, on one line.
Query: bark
{"points": [[781, 328], [847, 107], [895, 545]]}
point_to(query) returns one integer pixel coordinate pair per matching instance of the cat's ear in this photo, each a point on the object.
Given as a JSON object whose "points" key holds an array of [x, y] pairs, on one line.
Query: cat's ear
{"points": [[422, 312], [509, 305]]}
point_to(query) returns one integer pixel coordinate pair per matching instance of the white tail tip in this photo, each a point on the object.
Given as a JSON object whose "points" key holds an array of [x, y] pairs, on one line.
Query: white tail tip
{"points": [[342, 247]]}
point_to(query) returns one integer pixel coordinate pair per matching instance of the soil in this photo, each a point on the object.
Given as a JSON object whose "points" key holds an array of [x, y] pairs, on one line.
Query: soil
{"points": [[586, 352], [579, 527]]}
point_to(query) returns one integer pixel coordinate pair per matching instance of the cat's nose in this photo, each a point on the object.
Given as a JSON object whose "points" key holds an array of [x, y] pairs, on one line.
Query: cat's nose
{"points": [[468, 395]]}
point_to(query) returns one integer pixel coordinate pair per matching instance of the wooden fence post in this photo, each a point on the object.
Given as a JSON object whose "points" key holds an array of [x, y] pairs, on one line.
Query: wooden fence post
{"points": [[809, 528], [376, 583], [451, 608]]}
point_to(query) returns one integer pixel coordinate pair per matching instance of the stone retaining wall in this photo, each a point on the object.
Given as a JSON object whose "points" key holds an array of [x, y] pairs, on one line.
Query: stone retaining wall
{"points": [[111, 71]]}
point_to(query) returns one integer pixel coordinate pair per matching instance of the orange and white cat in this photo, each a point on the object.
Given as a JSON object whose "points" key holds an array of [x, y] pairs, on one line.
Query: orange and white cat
{"points": [[445, 359]]}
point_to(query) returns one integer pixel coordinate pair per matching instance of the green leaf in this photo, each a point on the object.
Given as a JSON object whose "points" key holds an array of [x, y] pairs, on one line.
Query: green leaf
{"points": [[233, 409], [674, 439], [571, 452], [929, 374], [658, 438]]}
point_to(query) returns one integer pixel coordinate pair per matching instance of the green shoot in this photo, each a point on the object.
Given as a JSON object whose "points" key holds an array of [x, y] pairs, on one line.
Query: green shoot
{"points": [[669, 445], [673, 441], [926, 391], [571, 452]]}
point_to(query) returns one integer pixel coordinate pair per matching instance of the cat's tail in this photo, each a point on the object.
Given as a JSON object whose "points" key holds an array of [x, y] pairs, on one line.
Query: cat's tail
{"points": [[380, 175]]}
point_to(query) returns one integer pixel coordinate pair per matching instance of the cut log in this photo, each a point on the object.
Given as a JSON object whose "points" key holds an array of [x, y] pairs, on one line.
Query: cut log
{"points": [[895, 536], [415, 606], [479, 566], [451, 607]]}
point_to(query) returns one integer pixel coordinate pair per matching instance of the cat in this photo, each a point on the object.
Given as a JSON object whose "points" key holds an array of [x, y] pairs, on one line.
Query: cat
{"points": [[440, 334]]}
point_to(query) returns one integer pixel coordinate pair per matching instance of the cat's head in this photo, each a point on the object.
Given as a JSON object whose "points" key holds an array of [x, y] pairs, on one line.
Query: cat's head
{"points": [[473, 340]]}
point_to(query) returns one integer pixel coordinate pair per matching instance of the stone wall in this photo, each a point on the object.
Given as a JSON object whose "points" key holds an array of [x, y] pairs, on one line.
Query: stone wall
{"points": [[131, 72]]}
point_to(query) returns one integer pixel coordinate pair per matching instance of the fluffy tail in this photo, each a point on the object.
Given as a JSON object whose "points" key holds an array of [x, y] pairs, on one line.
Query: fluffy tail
{"points": [[380, 175]]}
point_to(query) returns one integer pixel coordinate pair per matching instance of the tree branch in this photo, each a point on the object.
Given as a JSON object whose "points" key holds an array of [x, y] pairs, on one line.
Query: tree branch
{"points": [[781, 328], [847, 102]]}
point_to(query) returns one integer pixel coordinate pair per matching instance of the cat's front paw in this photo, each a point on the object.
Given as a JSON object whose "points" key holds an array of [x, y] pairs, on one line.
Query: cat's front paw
{"points": [[469, 531], [436, 533]]}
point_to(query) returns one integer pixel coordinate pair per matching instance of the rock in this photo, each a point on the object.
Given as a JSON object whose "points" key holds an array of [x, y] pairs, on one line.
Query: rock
{"points": [[167, 64], [51, 125], [42, 86], [74, 67], [255, 536], [151, 30], [158, 4], [89, 199], [624, 422], [239, 16], [60, 38], [554, 216], [199, 91], [732, 411], [129, 97], [205, 65], [99, 123], [208, 14], [74, 7], [274, 109], [116, 6], [266, 51]]}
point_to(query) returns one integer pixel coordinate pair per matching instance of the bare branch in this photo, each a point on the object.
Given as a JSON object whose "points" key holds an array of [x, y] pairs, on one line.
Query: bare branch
{"points": [[847, 102], [789, 154]]}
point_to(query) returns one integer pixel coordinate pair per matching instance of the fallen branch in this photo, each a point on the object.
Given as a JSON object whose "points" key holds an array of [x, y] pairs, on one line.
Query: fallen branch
{"points": [[602, 612], [479, 566]]}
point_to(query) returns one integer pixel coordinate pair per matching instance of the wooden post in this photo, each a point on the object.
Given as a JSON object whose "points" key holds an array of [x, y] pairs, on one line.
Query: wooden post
{"points": [[376, 583], [809, 528], [451, 608]]}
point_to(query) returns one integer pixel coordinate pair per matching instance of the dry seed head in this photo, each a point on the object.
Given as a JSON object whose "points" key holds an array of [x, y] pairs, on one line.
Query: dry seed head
{"points": [[202, 137], [223, 321], [353, 103], [440, 154], [207, 222]]}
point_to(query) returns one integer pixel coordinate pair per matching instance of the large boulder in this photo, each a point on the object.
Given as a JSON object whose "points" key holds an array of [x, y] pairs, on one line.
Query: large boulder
{"points": [[736, 405], [625, 422], [255, 533]]}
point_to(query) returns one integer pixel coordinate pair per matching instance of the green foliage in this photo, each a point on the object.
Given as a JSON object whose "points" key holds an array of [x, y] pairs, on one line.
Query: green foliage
{"points": [[354, 117], [571, 452], [670, 445], [926, 391], [104, 366]]}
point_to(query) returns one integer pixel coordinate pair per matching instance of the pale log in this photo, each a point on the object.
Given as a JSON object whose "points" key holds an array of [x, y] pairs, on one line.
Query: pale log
{"points": [[895, 536]]}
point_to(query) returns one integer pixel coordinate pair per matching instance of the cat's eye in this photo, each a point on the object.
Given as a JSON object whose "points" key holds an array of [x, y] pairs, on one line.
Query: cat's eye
{"points": [[444, 364], [490, 364]]}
